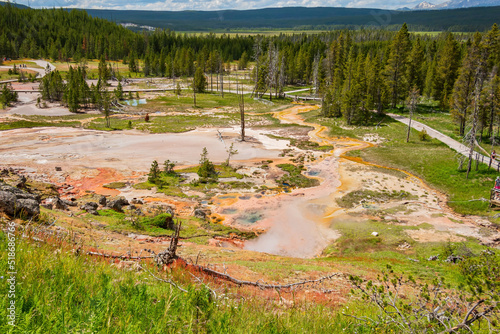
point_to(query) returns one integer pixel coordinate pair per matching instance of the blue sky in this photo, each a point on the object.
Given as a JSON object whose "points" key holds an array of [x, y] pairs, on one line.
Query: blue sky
{"points": [[215, 4]]}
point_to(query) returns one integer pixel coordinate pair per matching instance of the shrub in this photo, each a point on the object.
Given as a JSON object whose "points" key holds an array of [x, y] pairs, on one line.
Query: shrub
{"points": [[423, 136]]}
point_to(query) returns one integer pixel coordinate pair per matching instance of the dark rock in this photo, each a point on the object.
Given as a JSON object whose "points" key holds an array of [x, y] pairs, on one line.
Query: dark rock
{"points": [[453, 259], [58, 169], [21, 184], [433, 258], [29, 207], [118, 204], [57, 203], [48, 206], [169, 220], [90, 207], [131, 207], [136, 201], [69, 203], [171, 212], [14, 202], [102, 200], [200, 213]]}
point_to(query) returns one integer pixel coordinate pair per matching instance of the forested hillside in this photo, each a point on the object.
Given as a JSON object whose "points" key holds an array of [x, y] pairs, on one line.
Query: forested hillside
{"points": [[320, 18]]}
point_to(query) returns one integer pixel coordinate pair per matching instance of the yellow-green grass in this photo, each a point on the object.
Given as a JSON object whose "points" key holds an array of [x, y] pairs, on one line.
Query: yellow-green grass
{"points": [[17, 62], [431, 160], [60, 292]]}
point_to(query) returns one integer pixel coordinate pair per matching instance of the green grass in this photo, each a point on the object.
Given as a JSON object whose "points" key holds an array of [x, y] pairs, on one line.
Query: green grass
{"points": [[223, 171], [431, 160], [171, 184], [195, 229], [304, 144], [355, 197], [58, 292], [294, 178], [115, 185], [30, 124], [430, 114]]}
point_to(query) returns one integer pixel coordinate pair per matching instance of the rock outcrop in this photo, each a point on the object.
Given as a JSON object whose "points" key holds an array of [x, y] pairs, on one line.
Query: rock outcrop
{"points": [[16, 202], [90, 207], [118, 204]]}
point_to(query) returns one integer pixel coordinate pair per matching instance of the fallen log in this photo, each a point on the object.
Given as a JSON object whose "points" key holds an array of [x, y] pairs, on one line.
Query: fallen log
{"points": [[121, 257], [260, 285]]}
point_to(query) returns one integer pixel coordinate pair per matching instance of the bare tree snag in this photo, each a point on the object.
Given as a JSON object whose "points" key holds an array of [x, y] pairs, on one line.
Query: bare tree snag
{"points": [[261, 285], [168, 256]]}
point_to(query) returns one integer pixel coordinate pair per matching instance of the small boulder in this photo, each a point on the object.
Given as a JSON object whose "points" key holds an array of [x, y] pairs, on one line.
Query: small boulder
{"points": [[453, 259], [118, 204], [201, 213], [47, 206], [56, 203], [14, 202], [102, 200], [71, 202], [375, 234], [90, 207], [136, 201]]}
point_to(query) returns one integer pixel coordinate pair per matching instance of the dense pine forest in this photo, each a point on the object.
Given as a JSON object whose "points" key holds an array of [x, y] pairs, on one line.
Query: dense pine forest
{"points": [[353, 72]]}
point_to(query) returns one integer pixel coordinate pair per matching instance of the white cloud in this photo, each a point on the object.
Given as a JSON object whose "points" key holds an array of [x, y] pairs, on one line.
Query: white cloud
{"points": [[215, 4]]}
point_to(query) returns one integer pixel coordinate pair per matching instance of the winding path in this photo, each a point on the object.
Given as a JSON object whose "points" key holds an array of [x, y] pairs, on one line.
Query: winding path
{"points": [[41, 71], [452, 143]]}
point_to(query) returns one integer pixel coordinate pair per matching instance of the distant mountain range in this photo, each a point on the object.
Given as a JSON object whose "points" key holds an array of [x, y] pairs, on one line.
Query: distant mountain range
{"points": [[308, 18], [13, 4], [453, 4]]}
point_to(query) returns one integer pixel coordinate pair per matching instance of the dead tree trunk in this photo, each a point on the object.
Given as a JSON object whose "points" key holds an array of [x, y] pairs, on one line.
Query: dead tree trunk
{"points": [[221, 66], [168, 256], [412, 104], [241, 101]]}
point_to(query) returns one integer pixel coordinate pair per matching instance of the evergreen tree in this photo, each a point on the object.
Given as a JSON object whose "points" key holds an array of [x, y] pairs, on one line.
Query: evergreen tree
{"points": [[154, 172], [243, 62], [415, 71], [206, 170], [466, 84], [200, 82], [397, 65], [103, 70], [446, 70], [7, 95], [119, 91], [490, 102]]}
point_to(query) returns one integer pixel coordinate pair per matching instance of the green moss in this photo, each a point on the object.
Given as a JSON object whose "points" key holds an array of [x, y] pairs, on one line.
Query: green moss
{"points": [[356, 197], [115, 185], [295, 177]]}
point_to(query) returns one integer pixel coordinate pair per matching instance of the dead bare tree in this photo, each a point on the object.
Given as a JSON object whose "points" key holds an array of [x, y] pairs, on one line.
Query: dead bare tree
{"points": [[281, 77], [272, 68], [262, 285], [412, 106], [316, 74], [168, 256], [221, 76], [257, 51], [242, 116], [433, 308], [471, 136]]}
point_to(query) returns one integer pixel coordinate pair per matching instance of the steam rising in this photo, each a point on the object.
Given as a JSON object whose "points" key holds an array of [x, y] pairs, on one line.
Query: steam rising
{"points": [[291, 234]]}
